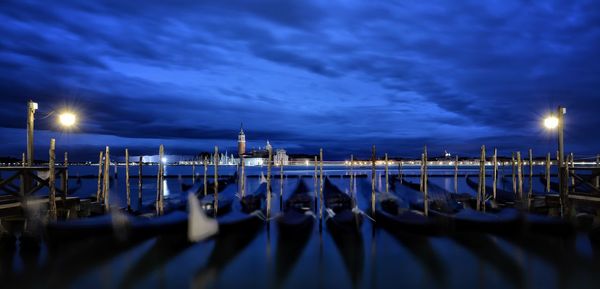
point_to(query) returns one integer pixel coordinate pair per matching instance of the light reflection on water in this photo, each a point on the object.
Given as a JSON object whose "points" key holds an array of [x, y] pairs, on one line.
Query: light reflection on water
{"points": [[255, 259]]}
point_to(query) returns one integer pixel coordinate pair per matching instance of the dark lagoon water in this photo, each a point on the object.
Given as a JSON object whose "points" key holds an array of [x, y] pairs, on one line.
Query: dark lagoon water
{"points": [[261, 259]]}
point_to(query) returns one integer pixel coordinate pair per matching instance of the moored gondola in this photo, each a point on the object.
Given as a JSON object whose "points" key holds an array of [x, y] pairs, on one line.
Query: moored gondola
{"points": [[391, 212], [503, 197], [340, 215], [344, 223], [458, 217], [295, 226], [297, 215]]}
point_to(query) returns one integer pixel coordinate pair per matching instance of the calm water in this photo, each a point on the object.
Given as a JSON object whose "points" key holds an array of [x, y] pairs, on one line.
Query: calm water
{"points": [[263, 260]]}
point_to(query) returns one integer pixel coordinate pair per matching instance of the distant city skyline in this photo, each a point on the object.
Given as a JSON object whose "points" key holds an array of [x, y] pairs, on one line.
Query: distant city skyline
{"points": [[305, 75]]}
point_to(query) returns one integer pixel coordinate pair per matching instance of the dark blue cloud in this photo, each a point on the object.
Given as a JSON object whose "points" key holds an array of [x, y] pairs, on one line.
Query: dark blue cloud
{"points": [[304, 74]]}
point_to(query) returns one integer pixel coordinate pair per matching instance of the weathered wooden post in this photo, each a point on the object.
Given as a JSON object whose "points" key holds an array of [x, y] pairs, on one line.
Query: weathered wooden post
{"points": [[481, 195], [281, 184], [387, 186], [193, 171], [421, 172], [548, 166], [316, 184], [373, 160], [160, 184], [530, 192], [400, 171], [127, 185], [65, 180], [205, 175], [514, 177], [597, 166], [22, 187], [216, 182], [52, 181], [106, 175], [352, 176], [520, 174], [572, 158], [99, 192], [321, 185], [269, 163], [140, 164], [281, 178], [495, 176], [243, 178], [456, 174], [425, 187]]}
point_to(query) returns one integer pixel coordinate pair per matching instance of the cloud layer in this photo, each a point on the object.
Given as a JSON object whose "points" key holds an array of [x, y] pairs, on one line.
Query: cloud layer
{"points": [[304, 74]]}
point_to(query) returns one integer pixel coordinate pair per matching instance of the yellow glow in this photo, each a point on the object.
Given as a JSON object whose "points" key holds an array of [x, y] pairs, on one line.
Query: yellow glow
{"points": [[551, 122], [67, 119]]}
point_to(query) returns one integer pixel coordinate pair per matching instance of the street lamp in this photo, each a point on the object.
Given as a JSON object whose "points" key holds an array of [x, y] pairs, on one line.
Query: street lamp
{"points": [[65, 119], [558, 122], [551, 122]]}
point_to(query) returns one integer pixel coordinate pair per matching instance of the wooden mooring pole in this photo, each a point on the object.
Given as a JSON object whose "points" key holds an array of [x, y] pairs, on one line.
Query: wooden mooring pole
{"points": [[316, 183], [243, 176], [520, 174], [160, 184], [99, 191], [530, 192], [281, 184], [269, 163], [65, 180], [140, 184], [548, 166], [106, 185], [597, 166], [514, 177], [205, 175], [495, 176], [387, 183], [52, 181], [321, 185], [421, 172], [352, 176], [373, 160], [425, 187], [572, 159], [456, 174], [194, 171], [216, 181], [127, 185], [400, 171], [481, 195]]}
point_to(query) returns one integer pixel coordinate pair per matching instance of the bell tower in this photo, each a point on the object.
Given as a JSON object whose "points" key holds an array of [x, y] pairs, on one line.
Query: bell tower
{"points": [[241, 141]]}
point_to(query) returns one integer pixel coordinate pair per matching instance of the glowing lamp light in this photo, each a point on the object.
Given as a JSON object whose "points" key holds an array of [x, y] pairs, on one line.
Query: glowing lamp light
{"points": [[551, 122], [67, 119], [164, 160]]}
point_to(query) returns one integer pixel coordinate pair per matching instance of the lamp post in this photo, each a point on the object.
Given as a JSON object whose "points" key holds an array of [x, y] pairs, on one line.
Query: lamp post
{"points": [[66, 119], [31, 108], [558, 122]]}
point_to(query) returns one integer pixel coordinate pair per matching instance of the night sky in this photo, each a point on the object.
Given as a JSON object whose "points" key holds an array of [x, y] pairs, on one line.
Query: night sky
{"points": [[341, 75]]}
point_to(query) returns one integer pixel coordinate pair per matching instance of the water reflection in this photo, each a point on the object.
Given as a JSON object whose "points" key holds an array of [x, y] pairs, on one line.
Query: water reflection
{"points": [[318, 256]]}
